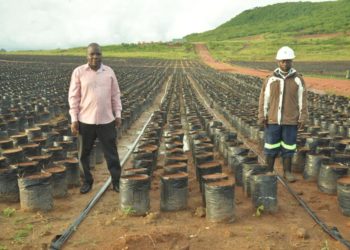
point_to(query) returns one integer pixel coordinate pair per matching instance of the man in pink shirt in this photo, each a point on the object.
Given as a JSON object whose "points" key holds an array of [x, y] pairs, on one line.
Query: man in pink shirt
{"points": [[95, 110]]}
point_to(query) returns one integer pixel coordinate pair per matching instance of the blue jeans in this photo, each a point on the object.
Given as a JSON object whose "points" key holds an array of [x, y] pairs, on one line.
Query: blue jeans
{"points": [[280, 139]]}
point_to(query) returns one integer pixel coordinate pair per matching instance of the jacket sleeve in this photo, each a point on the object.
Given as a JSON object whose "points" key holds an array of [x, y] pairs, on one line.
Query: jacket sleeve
{"points": [[261, 115], [304, 105], [74, 96]]}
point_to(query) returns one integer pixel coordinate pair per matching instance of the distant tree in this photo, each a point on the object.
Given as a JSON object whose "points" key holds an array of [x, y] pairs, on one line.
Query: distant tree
{"points": [[3, 50]]}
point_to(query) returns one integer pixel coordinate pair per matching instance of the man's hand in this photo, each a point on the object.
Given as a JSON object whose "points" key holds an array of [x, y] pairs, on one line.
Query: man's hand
{"points": [[263, 124], [301, 125], [118, 122], [74, 128]]}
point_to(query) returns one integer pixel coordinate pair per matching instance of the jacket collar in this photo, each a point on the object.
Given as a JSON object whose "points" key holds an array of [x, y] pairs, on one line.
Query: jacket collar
{"points": [[278, 72]]}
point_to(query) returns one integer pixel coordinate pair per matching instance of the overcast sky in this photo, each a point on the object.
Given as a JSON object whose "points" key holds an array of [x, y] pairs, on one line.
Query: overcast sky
{"points": [[50, 24]]}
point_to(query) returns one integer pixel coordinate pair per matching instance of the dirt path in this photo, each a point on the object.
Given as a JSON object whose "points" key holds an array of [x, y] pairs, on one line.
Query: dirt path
{"points": [[319, 85]]}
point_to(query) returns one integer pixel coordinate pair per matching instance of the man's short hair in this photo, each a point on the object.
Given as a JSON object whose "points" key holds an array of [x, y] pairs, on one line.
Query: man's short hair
{"points": [[93, 45]]}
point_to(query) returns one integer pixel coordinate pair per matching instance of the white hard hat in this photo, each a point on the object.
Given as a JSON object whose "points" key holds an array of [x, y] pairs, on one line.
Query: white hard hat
{"points": [[285, 53]]}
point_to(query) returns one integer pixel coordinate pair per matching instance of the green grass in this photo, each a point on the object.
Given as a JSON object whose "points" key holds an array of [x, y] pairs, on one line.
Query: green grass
{"points": [[147, 50], [23, 233], [128, 211], [264, 48], [298, 18], [8, 212], [253, 35], [329, 75], [256, 34], [2, 247]]}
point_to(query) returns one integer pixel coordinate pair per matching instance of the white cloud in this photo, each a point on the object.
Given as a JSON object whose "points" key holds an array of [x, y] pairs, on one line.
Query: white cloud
{"points": [[49, 24]]}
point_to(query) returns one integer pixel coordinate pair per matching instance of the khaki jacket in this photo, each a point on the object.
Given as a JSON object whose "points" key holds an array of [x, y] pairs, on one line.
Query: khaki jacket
{"points": [[283, 99]]}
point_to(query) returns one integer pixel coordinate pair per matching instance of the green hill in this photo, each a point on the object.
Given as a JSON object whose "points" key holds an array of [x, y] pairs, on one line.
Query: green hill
{"points": [[298, 18], [142, 50], [317, 31]]}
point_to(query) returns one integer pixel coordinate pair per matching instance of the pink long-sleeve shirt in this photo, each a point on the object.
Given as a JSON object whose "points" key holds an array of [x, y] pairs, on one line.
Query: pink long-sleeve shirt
{"points": [[94, 96]]}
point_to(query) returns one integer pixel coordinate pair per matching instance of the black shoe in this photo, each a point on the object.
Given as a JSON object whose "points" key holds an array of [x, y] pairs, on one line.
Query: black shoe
{"points": [[85, 188], [116, 187]]}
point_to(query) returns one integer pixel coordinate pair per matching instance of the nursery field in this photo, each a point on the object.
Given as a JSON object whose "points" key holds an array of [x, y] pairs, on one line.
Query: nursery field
{"points": [[181, 121]]}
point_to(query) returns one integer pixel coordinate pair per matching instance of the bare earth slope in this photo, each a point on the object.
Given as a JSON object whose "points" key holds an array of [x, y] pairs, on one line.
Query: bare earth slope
{"points": [[320, 85]]}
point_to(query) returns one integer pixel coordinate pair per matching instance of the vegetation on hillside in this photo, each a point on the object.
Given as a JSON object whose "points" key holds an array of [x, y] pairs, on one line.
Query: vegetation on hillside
{"points": [[316, 31], [144, 50], [263, 48], [298, 18]]}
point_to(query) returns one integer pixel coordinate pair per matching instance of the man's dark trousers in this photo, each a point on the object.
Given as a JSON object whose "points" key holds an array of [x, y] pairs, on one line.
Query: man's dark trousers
{"points": [[107, 135]]}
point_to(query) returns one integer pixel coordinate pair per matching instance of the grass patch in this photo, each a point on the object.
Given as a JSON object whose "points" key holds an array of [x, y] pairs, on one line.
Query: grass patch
{"points": [[307, 49], [327, 76], [22, 234], [316, 31], [2, 247], [8, 212], [20, 220], [147, 50], [128, 211], [301, 18]]}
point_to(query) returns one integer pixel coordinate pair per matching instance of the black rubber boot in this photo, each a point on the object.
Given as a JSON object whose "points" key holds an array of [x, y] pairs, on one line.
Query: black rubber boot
{"points": [[287, 169], [270, 162]]}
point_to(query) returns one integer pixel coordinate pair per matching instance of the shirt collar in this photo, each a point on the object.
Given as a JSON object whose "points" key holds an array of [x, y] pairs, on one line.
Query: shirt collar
{"points": [[102, 68]]}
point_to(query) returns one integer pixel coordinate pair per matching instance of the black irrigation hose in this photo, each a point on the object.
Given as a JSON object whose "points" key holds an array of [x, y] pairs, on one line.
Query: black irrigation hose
{"points": [[59, 240], [333, 232]]}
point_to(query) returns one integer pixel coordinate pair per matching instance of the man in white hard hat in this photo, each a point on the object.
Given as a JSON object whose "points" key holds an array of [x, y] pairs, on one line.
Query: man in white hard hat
{"points": [[282, 111]]}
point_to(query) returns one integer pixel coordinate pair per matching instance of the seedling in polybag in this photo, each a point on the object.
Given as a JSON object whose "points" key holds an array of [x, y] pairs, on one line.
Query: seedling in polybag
{"points": [[259, 210], [129, 210]]}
